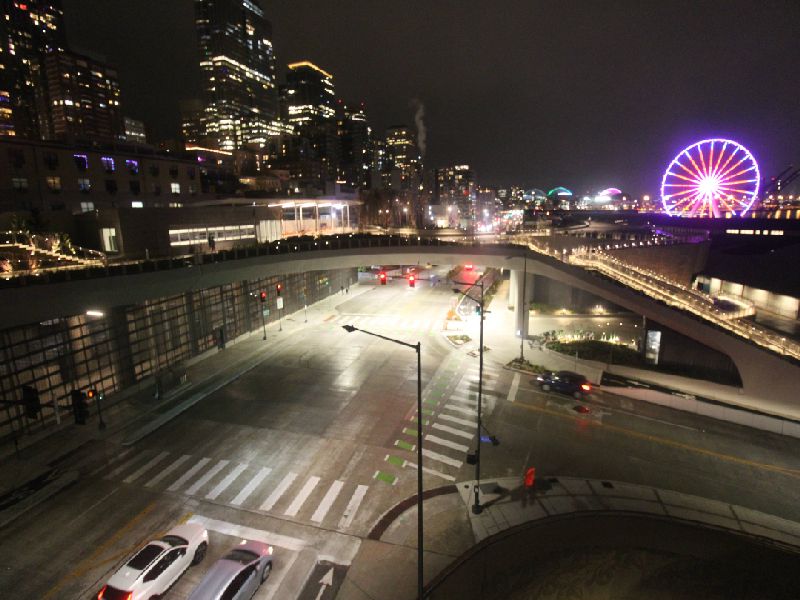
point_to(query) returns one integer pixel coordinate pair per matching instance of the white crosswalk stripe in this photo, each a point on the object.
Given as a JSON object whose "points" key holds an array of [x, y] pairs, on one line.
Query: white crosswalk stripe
{"points": [[188, 475], [441, 458], [278, 491], [125, 465], [146, 467], [251, 486], [435, 439], [432, 471], [327, 501], [302, 496], [229, 479], [464, 399], [458, 420], [170, 468], [453, 431], [352, 506], [466, 411], [195, 487]]}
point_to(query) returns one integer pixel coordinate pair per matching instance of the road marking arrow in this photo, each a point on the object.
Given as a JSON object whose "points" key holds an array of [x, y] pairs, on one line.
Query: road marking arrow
{"points": [[325, 583]]}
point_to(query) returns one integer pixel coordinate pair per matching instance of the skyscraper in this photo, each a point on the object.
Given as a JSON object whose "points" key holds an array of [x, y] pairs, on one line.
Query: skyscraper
{"points": [[354, 145], [238, 65], [308, 98], [83, 96], [403, 159], [28, 31]]}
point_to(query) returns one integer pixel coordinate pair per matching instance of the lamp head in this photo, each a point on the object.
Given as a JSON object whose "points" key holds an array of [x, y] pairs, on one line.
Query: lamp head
{"points": [[348, 328]]}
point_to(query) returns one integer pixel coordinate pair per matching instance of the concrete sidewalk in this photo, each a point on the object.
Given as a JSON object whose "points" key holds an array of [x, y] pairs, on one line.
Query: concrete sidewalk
{"points": [[385, 567]]}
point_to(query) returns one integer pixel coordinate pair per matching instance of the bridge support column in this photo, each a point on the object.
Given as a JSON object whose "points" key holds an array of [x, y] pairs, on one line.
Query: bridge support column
{"points": [[519, 296]]}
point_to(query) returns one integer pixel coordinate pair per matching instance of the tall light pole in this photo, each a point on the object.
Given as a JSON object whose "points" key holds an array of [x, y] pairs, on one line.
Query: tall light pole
{"points": [[524, 308], [476, 507], [418, 348]]}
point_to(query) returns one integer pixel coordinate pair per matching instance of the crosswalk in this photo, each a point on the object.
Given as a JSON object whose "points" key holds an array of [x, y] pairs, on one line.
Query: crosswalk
{"points": [[450, 421], [330, 503]]}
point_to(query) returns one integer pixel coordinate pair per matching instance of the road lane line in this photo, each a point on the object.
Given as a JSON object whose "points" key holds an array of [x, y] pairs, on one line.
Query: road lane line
{"points": [[251, 486], [278, 491], [512, 393], [453, 419], [453, 431], [327, 501], [195, 487], [432, 472], [441, 458], [434, 439], [174, 465], [352, 506], [666, 442], [188, 475], [140, 471], [243, 532], [302, 496], [90, 562], [229, 479]]}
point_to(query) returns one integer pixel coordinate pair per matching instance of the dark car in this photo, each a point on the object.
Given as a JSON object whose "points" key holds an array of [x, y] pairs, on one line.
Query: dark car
{"points": [[566, 382]]}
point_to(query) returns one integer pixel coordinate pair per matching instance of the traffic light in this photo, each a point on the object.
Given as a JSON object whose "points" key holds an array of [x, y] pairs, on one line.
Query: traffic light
{"points": [[478, 309], [382, 277], [91, 394], [30, 400], [278, 288], [263, 297], [411, 280]]}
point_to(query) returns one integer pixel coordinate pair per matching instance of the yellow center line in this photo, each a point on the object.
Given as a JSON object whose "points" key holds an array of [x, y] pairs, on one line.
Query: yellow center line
{"points": [[90, 562], [667, 442]]}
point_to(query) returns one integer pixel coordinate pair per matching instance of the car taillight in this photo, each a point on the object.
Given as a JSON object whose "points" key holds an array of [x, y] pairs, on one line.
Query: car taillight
{"points": [[586, 387], [103, 591]]}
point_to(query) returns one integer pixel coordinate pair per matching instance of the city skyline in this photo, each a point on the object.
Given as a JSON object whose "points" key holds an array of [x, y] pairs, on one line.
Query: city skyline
{"points": [[605, 100]]}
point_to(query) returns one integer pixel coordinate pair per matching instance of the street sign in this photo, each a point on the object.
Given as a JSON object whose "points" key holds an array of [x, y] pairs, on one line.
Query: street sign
{"points": [[265, 312], [486, 439], [280, 303]]}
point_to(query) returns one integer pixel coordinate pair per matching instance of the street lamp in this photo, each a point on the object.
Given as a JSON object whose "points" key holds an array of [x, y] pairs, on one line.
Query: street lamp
{"points": [[418, 348], [476, 508]]}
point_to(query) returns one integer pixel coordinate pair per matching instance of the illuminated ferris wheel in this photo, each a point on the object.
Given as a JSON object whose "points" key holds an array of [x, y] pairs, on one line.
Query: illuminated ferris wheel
{"points": [[710, 179]]}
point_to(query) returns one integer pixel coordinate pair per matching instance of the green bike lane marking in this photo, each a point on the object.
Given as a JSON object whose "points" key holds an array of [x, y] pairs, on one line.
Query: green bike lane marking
{"points": [[385, 477]]}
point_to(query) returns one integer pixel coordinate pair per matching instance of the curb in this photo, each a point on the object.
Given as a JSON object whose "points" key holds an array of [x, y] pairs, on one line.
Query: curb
{"points": [[391, 515]]}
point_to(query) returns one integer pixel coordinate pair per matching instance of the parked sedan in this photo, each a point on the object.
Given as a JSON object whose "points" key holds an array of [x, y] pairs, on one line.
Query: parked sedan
{"points": [[154, 568], [238, 574], [566, 382]]}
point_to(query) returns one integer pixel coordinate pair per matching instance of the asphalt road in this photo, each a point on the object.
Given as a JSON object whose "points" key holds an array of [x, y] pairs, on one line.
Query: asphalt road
{"points": [[311, 447]]}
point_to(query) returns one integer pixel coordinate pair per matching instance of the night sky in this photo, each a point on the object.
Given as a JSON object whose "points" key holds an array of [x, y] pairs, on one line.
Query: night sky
{"points": [[581, 94]]}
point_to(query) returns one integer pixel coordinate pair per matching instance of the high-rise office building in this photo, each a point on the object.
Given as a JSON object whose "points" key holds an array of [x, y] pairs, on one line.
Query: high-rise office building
{"points": [[403, 160], [354, 145], [238, 65], [28, 31], [83, 96], [308, 98]]}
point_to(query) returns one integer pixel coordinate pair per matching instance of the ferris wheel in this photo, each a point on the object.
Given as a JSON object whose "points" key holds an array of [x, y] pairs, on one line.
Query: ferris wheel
{"points": [[710, 179]]}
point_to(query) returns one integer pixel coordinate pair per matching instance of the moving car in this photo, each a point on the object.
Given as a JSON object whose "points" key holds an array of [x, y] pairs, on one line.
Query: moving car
{"points": [[152, 570], [566, 382], [238, 574]]}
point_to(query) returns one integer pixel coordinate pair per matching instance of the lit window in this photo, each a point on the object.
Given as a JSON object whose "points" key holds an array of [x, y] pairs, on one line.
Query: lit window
{"points": [[109, 236], [81, 161], [53, 183], [20, 184], [175, 187], [133, 166], [108, 164], [84, 185], [87, 206], [137, 204]]}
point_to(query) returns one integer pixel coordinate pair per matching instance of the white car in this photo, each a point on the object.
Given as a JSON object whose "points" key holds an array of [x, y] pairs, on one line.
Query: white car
{"points": [[152, 570]]}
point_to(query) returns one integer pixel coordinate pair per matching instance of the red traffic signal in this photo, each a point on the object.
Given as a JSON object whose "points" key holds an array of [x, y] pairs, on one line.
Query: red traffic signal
{"points": [[382, 277], [278, 288], [263, 296], [411, 280]]}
